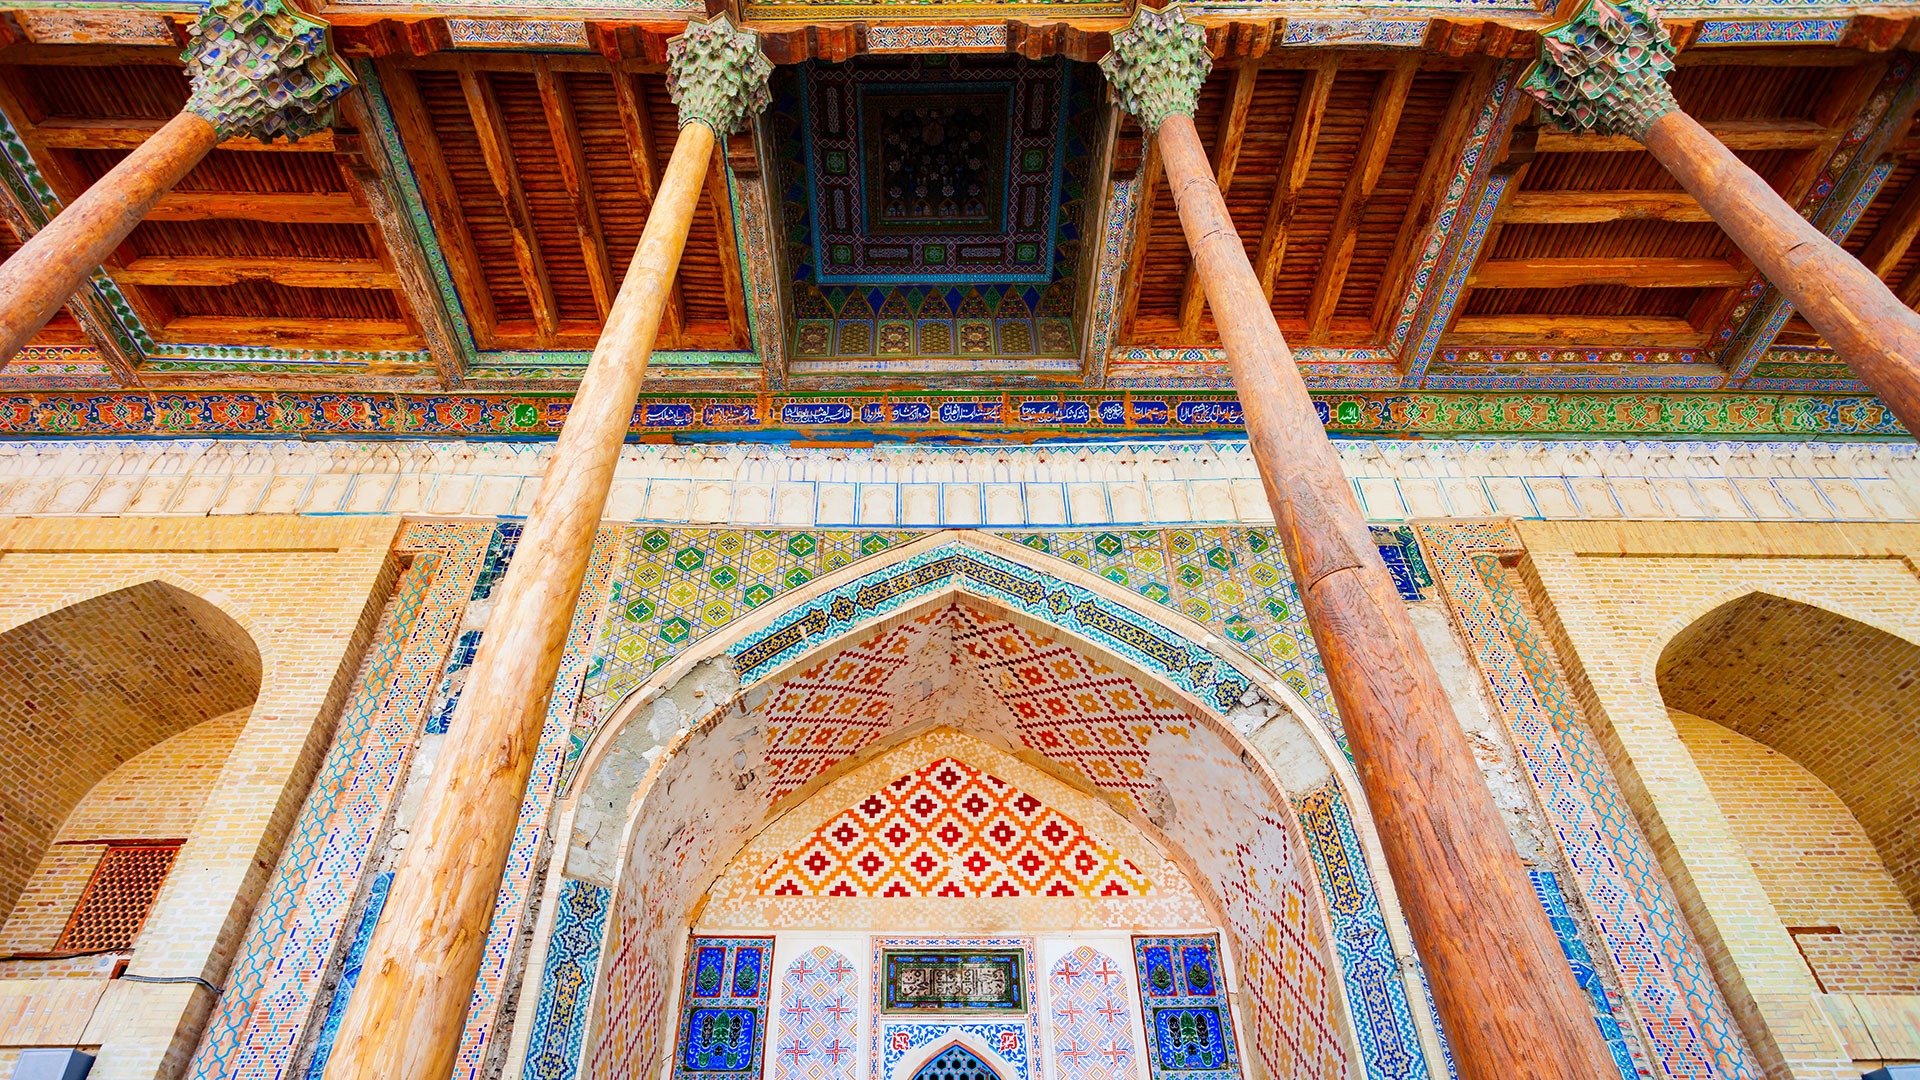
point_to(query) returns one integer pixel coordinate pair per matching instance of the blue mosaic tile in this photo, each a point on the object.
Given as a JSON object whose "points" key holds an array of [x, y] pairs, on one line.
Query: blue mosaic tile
{"points": [[1189, 1031], [499, 552], [566, 981], [723, 1011], [1547, 888], [349, 974]]}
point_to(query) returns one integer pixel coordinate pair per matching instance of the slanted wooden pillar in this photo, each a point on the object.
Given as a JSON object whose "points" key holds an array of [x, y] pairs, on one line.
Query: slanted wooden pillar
{"points": [[416, 985], [1604, 69], [260, 70], [1505, 993]]}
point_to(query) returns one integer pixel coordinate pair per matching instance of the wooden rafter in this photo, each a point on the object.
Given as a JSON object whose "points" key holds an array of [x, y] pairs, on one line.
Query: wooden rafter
{"points": [[1443, 159], [66, 133], [221, 270], [1226, 158], [298, 207], [638, 129], [1736, 134], [292, 333], [441, 199], [720, 200], [1895, 234], [1147, 188], [484, 106], [1587, 207], [1566, 273], [558, 106], [1383, 121], [1302, 139], [1652, 331]]}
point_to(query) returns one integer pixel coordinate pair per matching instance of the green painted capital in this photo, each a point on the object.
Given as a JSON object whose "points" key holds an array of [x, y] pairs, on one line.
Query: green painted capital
{"points": [[1157, 64], [262, 69], [717, 75], [1605, 69]]}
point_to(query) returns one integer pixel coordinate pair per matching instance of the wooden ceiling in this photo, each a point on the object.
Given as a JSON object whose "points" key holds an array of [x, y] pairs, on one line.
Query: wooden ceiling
{"points": [[536, 173]]}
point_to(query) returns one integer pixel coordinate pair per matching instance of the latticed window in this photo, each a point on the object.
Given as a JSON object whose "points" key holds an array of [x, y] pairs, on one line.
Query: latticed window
{"points": [[118, 896]]}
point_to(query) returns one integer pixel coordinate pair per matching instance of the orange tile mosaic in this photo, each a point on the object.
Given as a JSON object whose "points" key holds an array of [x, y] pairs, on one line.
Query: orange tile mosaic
{"points": [[948, 829]]}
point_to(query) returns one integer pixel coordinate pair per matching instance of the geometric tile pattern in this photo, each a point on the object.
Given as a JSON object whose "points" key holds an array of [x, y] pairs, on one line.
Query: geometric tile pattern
{"points": [[820, 1006], [1660, 965], [349, 975], [270, 992], [723, 1010], [1376, 996], [676, 586], [566, 984], [1092, 1018], [1547, 888], [948, 829], [1013, 1044], [1189, 1029]]}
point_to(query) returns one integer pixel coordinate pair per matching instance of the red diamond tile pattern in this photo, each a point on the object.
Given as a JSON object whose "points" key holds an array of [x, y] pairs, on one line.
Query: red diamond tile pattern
{"points": [[948, 829], [835, 707]]}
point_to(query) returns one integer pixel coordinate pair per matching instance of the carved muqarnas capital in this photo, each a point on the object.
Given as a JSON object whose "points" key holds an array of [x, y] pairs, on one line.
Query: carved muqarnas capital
{"points": [[262, 69], [1605, 69], [718, 75], [1157, 64]]}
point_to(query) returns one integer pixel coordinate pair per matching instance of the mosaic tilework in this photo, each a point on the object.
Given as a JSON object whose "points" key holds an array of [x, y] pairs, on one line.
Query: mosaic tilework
{"points": [[820, 999], [1092, 1018], [1184, 998], [1769, 31], [1686, 1023], [1235, 581], [723, 1008], [1560, 407], [1377, 998], [948, 829], [563, 736], [1009, 1048], [269, 998], [349, 974], [1547, 888], [676, 586], [1014, 1042], [566, 981]]}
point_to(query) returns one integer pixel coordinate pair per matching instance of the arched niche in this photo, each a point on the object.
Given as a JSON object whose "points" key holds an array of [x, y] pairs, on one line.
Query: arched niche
{"points": [[1839, 697], [94, 684], [1038, 664]]}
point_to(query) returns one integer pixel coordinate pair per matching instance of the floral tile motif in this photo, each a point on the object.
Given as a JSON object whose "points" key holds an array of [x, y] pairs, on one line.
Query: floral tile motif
{"points": [[1184, 1000], [566, 981], [723, 1009], [1092, 1018], [948, 829], [821, 999]]}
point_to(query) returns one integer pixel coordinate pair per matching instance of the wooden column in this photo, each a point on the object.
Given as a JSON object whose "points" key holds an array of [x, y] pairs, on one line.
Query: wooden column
{"points": [[259, 70], [1505, 993], [416, 985], [1873, 331], [1604, 69]]}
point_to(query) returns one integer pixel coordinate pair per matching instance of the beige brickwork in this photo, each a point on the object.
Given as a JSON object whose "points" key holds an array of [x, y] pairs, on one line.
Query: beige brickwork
{"points": [[1614, 596], [300, 593], [1815, 861], [154, 796]]}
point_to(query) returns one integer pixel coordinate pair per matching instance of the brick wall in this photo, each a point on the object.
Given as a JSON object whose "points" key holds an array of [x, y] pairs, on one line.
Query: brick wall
{"points": [[305, 593], [1815, 861], [155, 796], [1614, 596]]}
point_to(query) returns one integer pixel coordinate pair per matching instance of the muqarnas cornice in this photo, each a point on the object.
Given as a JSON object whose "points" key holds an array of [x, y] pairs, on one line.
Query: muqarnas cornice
{"points": [[1605, 69], [263, 70]]}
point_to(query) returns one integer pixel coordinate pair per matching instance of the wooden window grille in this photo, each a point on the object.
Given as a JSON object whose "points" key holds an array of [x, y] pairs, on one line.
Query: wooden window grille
{"points": [[118, 896]]}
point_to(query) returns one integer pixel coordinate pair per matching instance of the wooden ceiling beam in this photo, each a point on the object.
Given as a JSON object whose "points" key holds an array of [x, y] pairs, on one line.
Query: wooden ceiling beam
{"points": [[720, 203], [441, 198], [1147, 189], [484, 106], [1226, 158], [1641, 273], [1736, 134], [1303, 137], [1896, 232], [220, 270], [290, 333], [293, 208], [1589, 207], [69, 133], [1383, 121], [565, 129], [637, 126], [1576, 330], [1456, 125]]}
